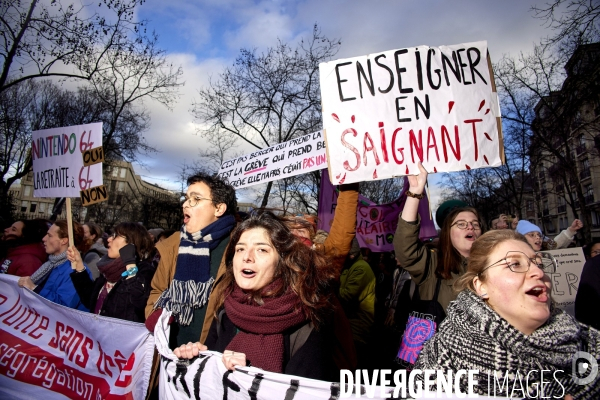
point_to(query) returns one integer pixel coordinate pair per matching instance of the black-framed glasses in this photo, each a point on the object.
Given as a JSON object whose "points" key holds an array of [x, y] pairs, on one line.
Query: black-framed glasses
{"points": [[462, 224], [520, 263], [192, 201], [114, 236]]}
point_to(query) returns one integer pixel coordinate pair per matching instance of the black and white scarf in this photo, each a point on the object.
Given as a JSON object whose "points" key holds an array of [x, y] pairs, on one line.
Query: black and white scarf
{"points": [[475, 337], [44, 270], [192, 282]]}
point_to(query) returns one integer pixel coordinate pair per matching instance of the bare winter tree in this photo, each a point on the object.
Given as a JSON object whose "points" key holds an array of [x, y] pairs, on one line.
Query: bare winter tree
{"points": [[49, 39], [267, 98]]}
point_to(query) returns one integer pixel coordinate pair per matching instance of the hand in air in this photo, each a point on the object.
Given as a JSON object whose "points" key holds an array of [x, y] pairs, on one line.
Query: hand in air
{"points": [[417, 183]]}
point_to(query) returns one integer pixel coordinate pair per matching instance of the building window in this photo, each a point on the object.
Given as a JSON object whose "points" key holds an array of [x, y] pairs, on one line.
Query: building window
{"points": [[595, 219], [123, 172], [24, 205], [121, 187], [27, 191], [32, 208], [529, 205], [42, 207], [115, 171]]}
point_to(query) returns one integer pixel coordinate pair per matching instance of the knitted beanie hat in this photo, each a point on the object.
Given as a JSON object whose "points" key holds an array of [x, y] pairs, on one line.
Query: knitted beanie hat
{"points": [[524, 227]]}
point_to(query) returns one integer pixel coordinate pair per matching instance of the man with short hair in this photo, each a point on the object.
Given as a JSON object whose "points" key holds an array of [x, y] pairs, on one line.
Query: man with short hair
{"points": [[191, 258]]}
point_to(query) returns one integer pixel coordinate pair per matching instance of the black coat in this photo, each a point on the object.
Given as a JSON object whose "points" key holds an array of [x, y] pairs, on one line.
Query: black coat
{"points": [[314, 359], [127, 299], [588, 294]]}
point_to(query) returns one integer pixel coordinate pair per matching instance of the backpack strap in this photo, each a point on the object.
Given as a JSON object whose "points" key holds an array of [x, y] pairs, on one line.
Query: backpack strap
{"points": [[299, 337]]}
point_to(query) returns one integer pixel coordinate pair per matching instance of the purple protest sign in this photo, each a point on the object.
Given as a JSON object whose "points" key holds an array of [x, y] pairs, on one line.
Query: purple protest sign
{"points": [[375, 224]]}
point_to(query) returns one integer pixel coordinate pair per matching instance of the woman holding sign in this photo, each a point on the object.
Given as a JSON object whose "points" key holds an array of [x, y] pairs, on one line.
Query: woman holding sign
{"points": [[504, 325], [459, 230], [52, 280], [122, 289], [275, 304]]}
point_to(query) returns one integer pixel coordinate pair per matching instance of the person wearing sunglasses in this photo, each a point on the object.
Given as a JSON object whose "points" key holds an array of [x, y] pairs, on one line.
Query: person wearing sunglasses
{"points": [[460, 229], [504, 325]]}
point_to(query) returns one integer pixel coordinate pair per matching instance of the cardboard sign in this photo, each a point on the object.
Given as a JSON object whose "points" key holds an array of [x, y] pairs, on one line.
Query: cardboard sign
{"points": [[93, 156], [58, 169], [93, 195], [385, 112], [294, 157], [565, 281]]}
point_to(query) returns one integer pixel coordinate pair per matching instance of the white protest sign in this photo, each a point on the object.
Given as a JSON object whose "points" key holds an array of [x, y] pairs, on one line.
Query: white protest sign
{"points": [[205, 377], [385, 112], [58, 169], [565, 280], [48, 351], [294, 157]]}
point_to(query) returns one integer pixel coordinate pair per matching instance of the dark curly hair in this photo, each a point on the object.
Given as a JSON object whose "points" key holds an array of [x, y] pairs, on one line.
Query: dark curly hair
{"points": [[300, 268], [220, 191]]}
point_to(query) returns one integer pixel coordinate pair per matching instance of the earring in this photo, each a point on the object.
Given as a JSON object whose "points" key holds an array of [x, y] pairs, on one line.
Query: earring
{"points": [[483, 296]]}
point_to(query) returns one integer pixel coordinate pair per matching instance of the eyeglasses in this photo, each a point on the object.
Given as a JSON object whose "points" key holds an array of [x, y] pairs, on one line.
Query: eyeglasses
{"points": [[114, 236], [462, 224], [519, 262], [192, 201]]}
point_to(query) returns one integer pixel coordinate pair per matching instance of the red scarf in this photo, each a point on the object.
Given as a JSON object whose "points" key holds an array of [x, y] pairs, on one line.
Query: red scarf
{"points": [[111, 269], [261, 327]]}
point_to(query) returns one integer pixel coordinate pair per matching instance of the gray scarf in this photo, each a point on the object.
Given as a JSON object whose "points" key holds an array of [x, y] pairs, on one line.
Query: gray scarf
{"points": [[473, 336], [42, 272]]}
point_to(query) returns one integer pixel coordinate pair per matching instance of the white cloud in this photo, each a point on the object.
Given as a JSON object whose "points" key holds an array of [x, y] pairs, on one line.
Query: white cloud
{"points": [[224, 26]]}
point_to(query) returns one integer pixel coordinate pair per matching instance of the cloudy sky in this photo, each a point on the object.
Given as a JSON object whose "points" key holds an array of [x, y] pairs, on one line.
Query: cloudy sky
{"points": [[205, 36]]}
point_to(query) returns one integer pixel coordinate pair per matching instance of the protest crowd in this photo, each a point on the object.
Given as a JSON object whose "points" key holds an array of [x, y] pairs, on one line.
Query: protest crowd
{"points": [[273, 292]]}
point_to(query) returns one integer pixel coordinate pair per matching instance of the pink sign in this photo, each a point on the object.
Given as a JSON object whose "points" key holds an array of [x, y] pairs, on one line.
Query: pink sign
{"points": [[375, 224]]}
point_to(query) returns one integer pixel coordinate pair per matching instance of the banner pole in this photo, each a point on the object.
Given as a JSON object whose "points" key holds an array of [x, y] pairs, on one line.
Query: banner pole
{"points": [[69, 221]]}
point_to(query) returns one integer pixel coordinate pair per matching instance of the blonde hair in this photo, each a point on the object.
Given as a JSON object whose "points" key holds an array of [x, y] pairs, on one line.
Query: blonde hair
{"points": [[479, 256]]}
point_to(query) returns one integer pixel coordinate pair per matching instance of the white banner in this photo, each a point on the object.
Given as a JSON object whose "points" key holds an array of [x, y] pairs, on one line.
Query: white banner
{"points": [[565, 281], [294, 157], [206, 377], [58, 169], [385, 112], [48, 351]]}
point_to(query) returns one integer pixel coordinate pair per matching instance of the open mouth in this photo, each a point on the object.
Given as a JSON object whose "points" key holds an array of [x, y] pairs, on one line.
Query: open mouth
{"points": [[471, 236], [538, 292], [248, 273], [186, 218]]}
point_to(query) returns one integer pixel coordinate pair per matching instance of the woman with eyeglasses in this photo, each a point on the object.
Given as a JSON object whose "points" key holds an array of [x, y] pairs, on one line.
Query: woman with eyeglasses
{"points": [[126, 271], [459, 230], [504, 325]]}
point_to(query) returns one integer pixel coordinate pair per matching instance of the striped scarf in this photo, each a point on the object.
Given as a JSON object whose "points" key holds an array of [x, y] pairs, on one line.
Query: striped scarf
{"points": [[42, 272], [192, 282]]}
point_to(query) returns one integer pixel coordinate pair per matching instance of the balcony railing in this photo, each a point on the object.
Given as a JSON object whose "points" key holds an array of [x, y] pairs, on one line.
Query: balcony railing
{"points": [[562, 209], [589, 198], [581, 149], [586, 173]]}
